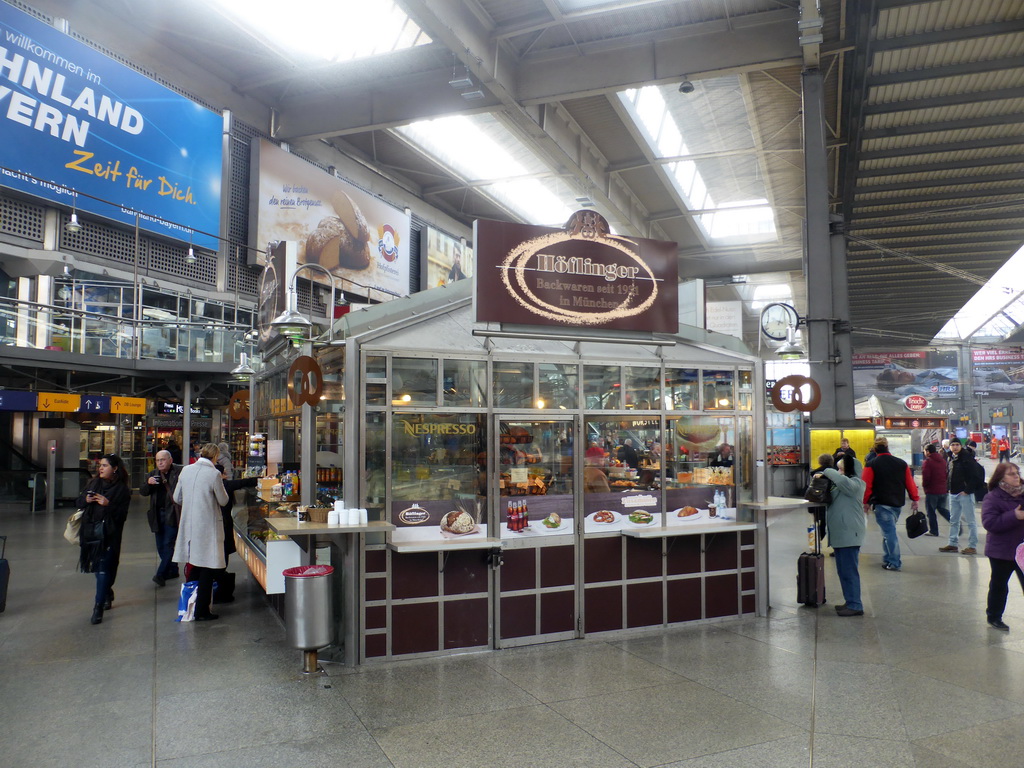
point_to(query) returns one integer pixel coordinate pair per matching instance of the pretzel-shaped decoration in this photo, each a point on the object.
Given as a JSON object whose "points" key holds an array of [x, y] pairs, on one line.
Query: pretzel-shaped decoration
{"points": [[796, 398], [238, 405], [305, 381]]}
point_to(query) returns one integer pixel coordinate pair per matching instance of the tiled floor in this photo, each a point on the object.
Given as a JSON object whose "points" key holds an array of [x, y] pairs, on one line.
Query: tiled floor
{"points": [[920, 680]]}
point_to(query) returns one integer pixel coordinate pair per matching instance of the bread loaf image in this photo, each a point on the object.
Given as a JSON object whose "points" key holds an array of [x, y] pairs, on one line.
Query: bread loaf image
{"points": [[333, 245]]}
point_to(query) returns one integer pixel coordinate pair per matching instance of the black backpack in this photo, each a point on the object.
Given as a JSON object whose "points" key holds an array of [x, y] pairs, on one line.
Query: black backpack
{"points": [[981, 488], [819, 491]]}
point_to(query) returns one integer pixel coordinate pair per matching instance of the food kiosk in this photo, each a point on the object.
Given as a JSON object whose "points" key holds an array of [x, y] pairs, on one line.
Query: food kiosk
{"points": [[537, 483]]}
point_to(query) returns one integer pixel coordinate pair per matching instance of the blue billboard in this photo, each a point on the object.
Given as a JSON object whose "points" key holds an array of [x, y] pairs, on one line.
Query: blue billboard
{"points": [[71, 116]]}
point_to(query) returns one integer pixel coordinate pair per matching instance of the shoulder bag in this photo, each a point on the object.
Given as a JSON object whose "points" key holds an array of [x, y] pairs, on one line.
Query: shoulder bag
{"points": [[74, 527], [917, 525]]}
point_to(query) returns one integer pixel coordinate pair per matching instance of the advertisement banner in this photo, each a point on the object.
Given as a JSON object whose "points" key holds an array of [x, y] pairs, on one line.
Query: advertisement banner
{"points": [[73, 117], [445, 259], [580, 276], [895, 378], [355, 235], [998, 372]]}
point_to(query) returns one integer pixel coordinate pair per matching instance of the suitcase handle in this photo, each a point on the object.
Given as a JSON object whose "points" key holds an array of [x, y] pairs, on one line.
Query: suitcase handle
{"points": [[3, 549]]}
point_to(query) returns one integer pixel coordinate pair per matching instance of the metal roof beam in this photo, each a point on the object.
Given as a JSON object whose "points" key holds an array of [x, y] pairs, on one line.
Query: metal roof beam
{"points": [[951, 181], [892, 240], [753, 42], [718, 267], [924, 247], [945, 100], [954, 198], [949, 70], [930, 229], [941, 165], [947, 146], [983, 121], [954, 35], [929, 216]]}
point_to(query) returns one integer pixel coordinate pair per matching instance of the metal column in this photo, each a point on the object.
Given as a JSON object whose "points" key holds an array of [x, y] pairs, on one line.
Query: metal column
{"points": [[828, 329], [186, 422]]}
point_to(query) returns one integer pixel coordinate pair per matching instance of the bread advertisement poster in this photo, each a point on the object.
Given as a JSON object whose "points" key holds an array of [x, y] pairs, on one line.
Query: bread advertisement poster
{"points": [[355, 235]]}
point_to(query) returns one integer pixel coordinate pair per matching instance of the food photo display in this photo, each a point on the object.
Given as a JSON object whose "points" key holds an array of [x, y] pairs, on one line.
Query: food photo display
{"points": [[438, 520], [606, 512]]}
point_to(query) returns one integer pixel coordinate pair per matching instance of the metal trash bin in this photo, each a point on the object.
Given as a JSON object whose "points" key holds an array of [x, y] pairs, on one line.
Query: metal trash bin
{"points": [[307, 610]]}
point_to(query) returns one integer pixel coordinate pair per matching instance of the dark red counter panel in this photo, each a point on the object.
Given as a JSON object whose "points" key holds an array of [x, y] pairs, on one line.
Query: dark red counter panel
{"points": [[433, 602], [633, 582]]}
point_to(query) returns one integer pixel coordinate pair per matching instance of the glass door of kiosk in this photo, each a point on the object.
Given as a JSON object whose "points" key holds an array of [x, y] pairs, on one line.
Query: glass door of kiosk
{"points": [[536, 585]]}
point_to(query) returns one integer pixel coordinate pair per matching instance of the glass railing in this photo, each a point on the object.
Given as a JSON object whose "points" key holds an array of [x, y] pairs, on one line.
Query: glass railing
{"points": [[30, 325]]}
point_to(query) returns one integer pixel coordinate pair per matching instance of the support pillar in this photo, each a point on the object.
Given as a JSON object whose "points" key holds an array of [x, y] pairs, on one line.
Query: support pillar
{"points": [[828, 328]]}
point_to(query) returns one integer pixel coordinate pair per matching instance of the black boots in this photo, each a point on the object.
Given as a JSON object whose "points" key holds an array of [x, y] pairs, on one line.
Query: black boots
{"points": [[99, 608]]}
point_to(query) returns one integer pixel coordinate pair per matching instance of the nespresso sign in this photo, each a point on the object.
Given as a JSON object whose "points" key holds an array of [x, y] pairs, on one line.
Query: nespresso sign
{"points": [[580, 276], [441, 428]]}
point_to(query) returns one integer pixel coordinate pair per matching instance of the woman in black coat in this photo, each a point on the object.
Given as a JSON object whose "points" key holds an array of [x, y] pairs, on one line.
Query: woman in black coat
{"points": [[105, 502], [226, 579]]}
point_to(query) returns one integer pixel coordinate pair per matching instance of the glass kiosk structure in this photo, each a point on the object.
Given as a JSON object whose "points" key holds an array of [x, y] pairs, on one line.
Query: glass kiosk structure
{"points": [[540, 489]]}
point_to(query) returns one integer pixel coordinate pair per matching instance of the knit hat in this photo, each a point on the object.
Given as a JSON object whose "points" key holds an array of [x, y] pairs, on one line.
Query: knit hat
{"points": [[955, 440]]}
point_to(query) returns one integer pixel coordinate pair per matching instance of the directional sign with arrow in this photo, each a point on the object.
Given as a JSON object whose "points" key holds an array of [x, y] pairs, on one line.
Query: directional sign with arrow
{"points": [[96, 404], [127, 405], [59, 402]]}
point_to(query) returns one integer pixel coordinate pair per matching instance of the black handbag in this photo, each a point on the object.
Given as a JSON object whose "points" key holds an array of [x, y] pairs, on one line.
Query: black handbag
{"points": [[819, 491], [917, 525]]}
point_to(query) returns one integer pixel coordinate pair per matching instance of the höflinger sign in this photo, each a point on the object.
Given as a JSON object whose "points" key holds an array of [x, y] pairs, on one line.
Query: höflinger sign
{"points": [[578, 276]]}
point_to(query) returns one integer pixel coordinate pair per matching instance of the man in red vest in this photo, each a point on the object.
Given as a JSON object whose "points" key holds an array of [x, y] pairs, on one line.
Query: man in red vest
{"points": [[888, 480]]}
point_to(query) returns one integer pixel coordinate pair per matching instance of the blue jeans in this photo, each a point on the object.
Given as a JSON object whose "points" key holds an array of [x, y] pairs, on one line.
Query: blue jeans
{"points": [[936, 502], [961, 507], [849, 575], [886, 517], [106, 574], [165, 538]]}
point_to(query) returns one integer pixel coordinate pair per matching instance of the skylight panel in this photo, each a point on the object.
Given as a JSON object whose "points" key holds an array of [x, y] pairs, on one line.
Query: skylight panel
{"points": [[1000, 293], [745, 222], [479, 148], [766, 294], [707, 185], [333, 30], [465, 145]]}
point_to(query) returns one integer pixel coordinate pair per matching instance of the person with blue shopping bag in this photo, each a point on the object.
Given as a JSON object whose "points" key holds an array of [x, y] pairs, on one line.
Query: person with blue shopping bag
{"points": [[200, 543]]}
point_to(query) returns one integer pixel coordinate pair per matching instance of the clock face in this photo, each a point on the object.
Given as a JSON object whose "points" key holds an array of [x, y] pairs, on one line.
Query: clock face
{"points": [[776, 319]]}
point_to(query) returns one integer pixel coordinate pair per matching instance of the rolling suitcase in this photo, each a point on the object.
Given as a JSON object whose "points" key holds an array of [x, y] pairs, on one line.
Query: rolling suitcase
{"points": [[5, 575], [810, 575]]}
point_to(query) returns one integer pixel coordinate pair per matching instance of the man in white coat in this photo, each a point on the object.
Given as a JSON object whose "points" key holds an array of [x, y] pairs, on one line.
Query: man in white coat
{"points": [[200, 492]]}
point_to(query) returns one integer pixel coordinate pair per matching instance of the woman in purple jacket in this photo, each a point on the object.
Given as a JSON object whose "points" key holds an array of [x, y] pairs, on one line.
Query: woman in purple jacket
{"points": [[1003, 518]]}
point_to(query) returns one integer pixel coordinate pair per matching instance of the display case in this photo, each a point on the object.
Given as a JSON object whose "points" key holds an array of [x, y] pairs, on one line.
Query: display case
{"points": [[266, 553]]}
